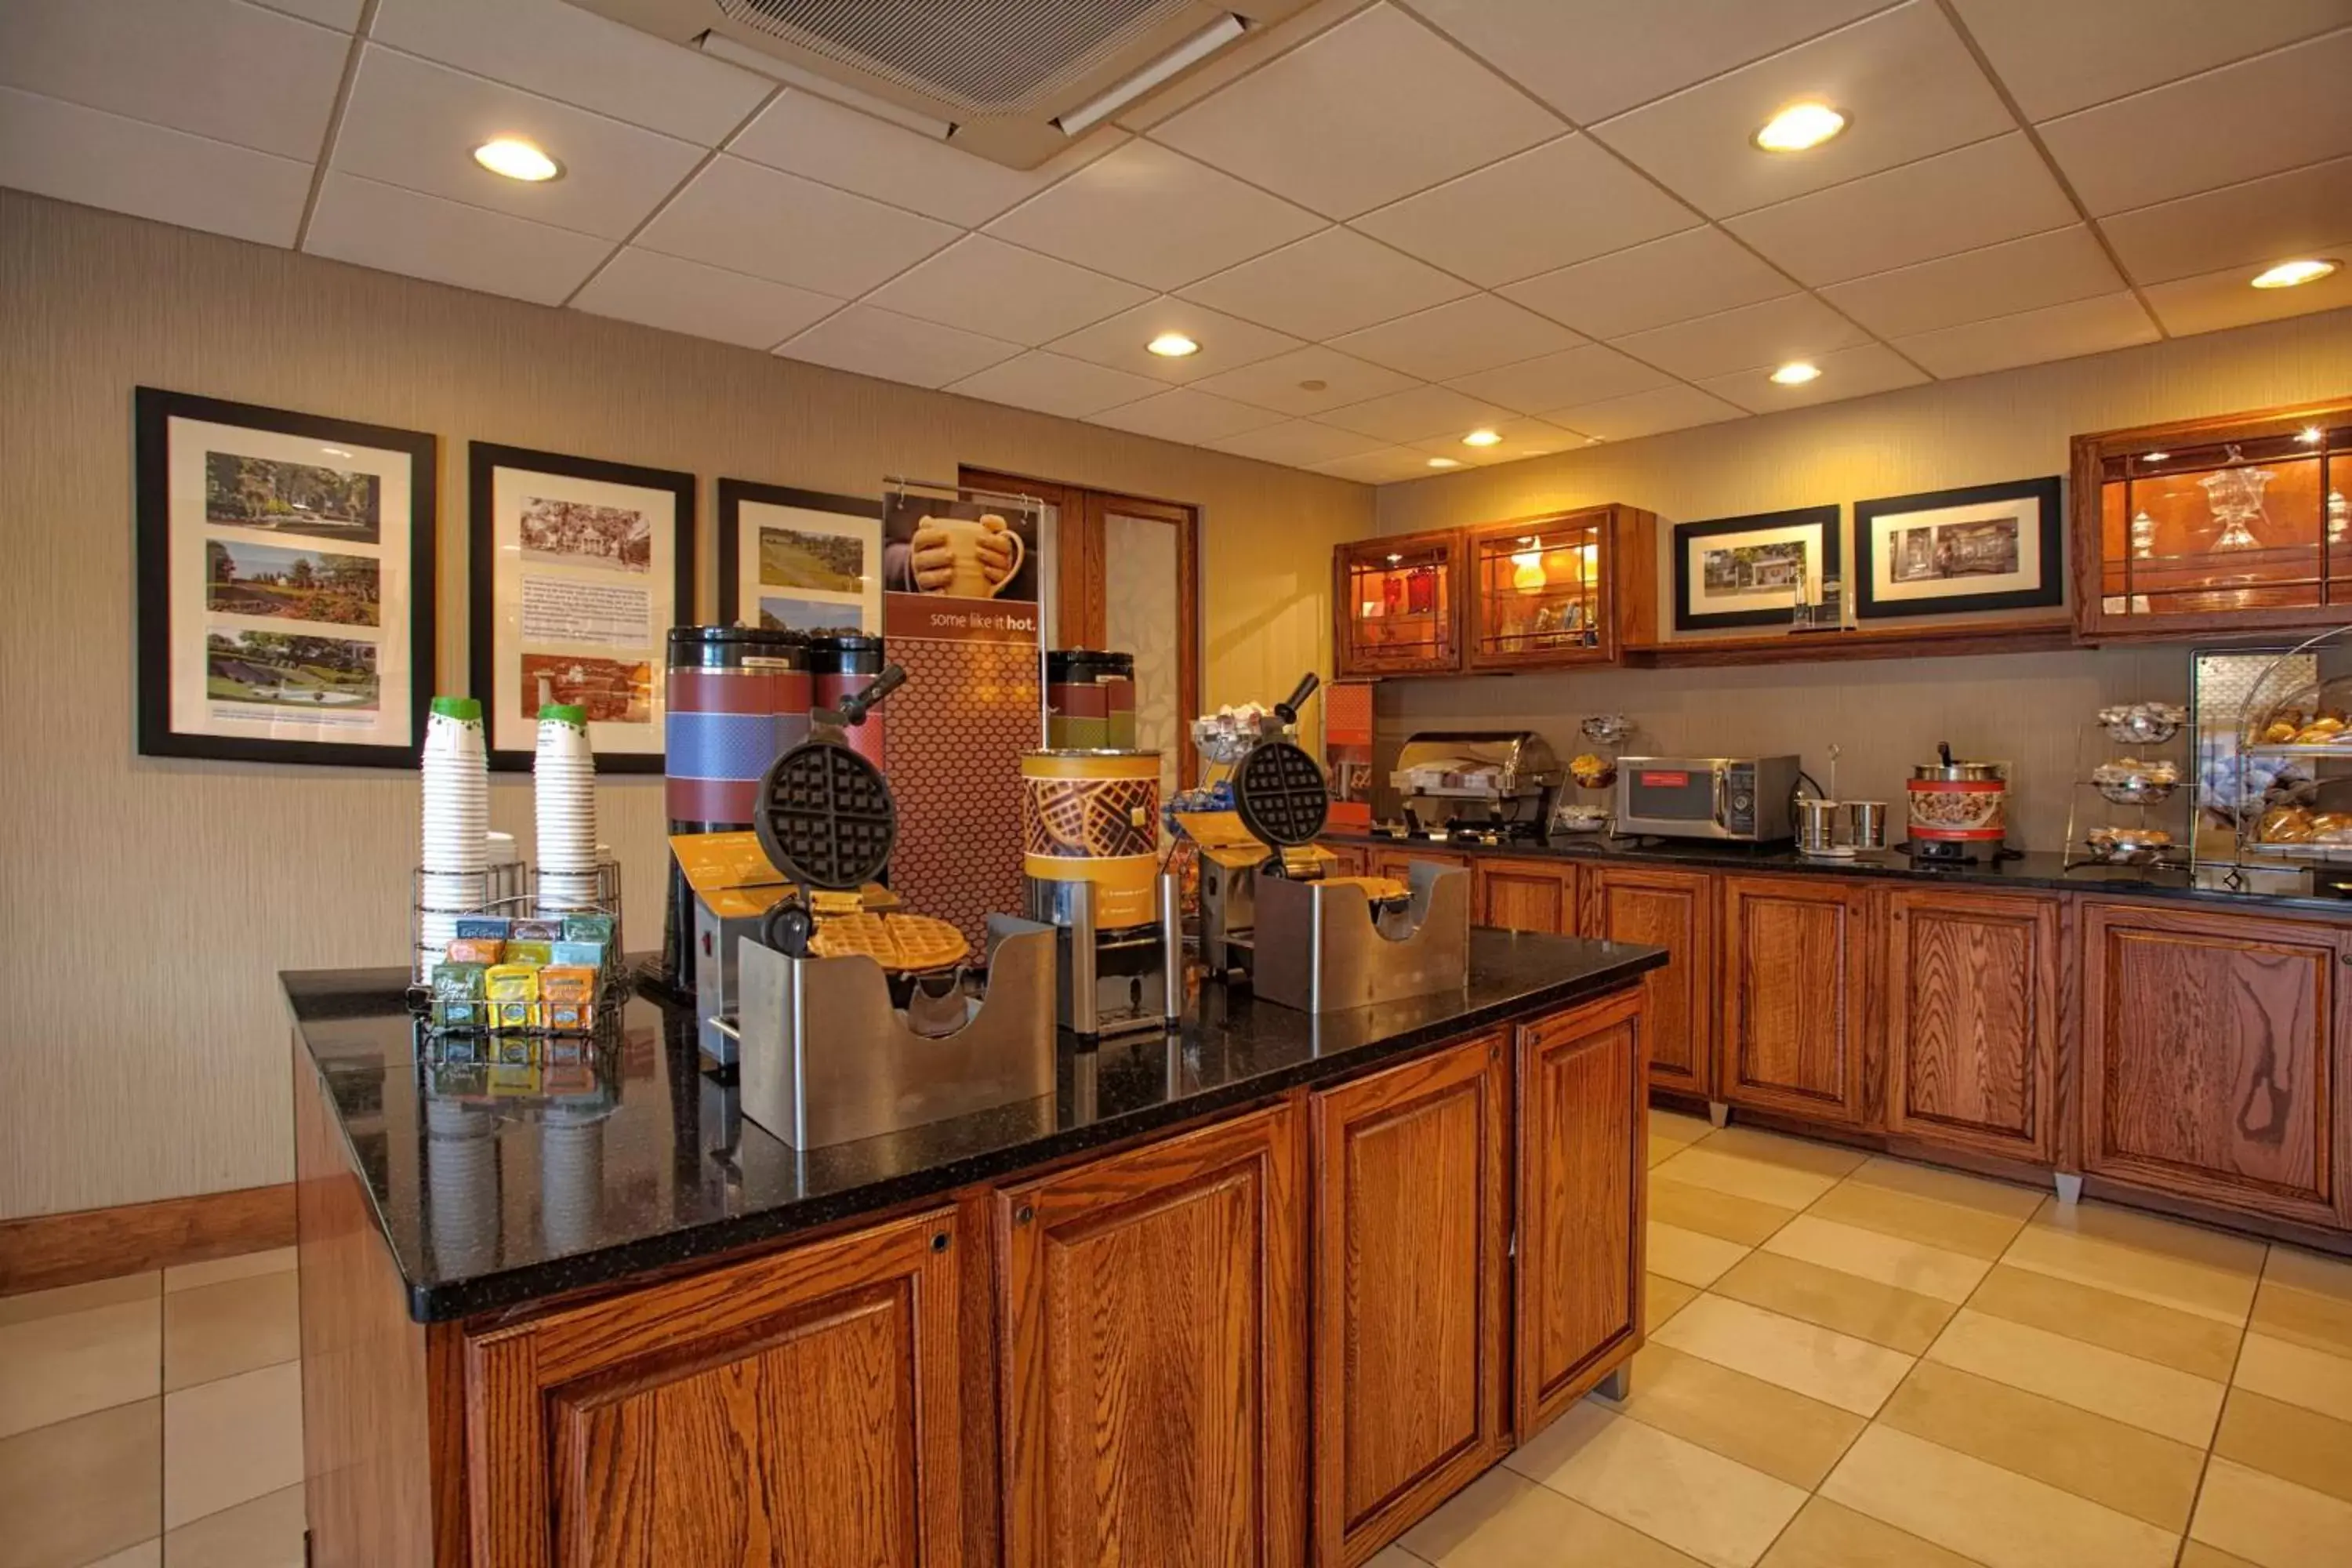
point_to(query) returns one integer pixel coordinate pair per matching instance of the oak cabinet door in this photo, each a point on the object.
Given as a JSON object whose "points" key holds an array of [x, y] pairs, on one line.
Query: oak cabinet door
{"points": [[1525, 895], [2212, 1059], [1675, 910], [1411, 1228], [1155, 1365], [1351, 859], [1971, 1015], [1584, 1122], [802, 1408], [1397, 864], [1796, 965]]}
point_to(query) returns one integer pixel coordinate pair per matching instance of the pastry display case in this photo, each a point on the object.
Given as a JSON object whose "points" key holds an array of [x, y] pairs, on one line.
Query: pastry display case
{"points": [[1540, 593], [1399, 604], [2294, 790]]}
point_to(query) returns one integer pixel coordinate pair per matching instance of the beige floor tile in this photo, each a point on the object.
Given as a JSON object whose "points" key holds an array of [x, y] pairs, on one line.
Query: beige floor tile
{"points": [[1710, 1166], [58, 1367], [2271, 1522], [1692, 1498], [1503, 1519], [1900, 1320], [2131, 1471], [229, 1441], [2175, 1405], [146, 1554], [66, 1299], [1820, 1363], [2307, 1298], [1394, 1557], [1688, 1256], [1825, 1534], [2312, 1271], [2165, 1334], [264, 1533], [2288, 1441], [1955, 1227], [244, 1265], [2185, 1284], [2006, 1199], [2220, 1250], [2197, 1555], [1762, 1425], [1789, 1154], [1674, 1127], [1662, 1299], [82, 1488], [1711, 1213], [1995, 1516], [1889, 1259], [218, 1330], [2297, 1374]]}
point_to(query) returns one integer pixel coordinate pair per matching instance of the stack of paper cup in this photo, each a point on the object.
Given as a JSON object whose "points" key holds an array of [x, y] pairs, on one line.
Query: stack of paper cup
{"points": [[564, 775], [456, 816]]}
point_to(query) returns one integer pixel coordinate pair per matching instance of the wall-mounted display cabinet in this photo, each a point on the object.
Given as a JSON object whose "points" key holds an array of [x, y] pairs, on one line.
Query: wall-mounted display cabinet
{"points": [[1397, 605], [1541, 592]]}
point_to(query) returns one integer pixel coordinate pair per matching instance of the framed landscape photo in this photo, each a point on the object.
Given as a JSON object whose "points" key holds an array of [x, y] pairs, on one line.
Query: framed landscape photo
{"points": [[1985, 547], [580, 569], [1746, 571], [285, 583], [799, 560]]}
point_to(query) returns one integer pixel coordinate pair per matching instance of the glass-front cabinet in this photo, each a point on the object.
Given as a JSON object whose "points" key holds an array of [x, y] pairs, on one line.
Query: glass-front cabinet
{"points": [[1399, 604], [1540, 593]]}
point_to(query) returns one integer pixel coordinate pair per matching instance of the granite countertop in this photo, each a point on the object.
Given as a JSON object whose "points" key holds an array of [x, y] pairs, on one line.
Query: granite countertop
{"points": [[497, 1186]]}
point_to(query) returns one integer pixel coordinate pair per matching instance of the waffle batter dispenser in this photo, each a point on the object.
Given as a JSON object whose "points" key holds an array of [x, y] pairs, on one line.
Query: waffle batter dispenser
{"points": [[1090, 869]]}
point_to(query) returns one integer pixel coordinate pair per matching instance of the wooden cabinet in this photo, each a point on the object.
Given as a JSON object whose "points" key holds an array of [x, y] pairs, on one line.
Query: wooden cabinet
{"points": [[1397, 605], [1971, 1010], [1675, 910], [1543, 591], [1397, 862], [1353, 859], [1796, 968], [1410, 1271], [1154, 1363], [2213, 1059], [1524, 894], [802, 1408], [1582, 1136]]}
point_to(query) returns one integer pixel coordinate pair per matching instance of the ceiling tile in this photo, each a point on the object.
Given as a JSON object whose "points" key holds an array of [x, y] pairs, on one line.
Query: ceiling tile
{"points": [[53, 148], [2212, 301], [1850, 373], [1972, 196], [2262, 116], [1052, 385], [578, 57], [214, 67], [1000, 291], [1298, 442], [2251, 226], [1386, 465], [1418, 414], [1593, 59], [897, 348], [340, 14], [1186, 416], [1328, 283], [1306, 381], [1473, 334], [1998, 280], [752, 219], [1154, 216], [397, 230], [2054, 332], [1561, 203], [1905, 77], [1227, 342], [662, 292], [1772, 333], [1520, 438], [2068, 56], [1375, 109], [1674, 407], [1673, 280], [416, 124], [1585, 374]]}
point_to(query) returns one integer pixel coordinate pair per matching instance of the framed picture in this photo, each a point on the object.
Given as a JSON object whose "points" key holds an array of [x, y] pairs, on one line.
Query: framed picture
{"points": [[1986, 547], [580, 569], [801, 560], [1746, 571], [285, 585]]}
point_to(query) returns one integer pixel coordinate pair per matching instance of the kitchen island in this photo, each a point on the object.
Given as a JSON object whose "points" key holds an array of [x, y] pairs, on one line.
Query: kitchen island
{"points": [[1263, 1289]]}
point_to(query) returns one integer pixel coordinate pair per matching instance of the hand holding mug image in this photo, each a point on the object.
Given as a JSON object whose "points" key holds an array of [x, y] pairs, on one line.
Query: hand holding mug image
{"points": [[976, 557]]}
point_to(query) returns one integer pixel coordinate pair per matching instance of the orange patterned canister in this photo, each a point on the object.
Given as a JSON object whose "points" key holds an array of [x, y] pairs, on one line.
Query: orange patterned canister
{"points": [[1093, 816]]}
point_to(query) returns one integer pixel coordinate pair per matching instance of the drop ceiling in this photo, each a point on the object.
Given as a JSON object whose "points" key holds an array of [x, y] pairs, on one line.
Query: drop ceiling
{"points": [[1385, 223]]}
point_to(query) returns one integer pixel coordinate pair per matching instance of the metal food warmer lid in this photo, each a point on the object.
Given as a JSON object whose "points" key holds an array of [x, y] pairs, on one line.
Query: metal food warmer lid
{"points": [[1476, 765]]}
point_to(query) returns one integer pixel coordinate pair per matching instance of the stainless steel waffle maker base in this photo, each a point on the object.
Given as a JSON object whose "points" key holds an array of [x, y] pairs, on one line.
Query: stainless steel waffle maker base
{"points": [[1321, 949]]}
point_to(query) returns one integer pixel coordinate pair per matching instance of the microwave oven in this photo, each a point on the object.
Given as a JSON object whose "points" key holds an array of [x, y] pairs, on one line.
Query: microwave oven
{"points": [[1742, 799]]}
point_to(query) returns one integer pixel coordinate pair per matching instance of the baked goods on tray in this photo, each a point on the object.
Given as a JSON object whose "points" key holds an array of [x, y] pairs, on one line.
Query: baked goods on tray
{"points": [[902, 943]]}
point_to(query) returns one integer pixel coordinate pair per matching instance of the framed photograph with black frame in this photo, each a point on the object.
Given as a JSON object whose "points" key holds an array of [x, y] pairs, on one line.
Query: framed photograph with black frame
{"points": [[580, 569], [799, 560], [285, 574], [1945, 553], [1746, 571]]}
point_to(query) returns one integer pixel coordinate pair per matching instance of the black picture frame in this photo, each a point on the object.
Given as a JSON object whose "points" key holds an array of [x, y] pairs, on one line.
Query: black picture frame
{"points": [[483, 460], [1689, 620], [152, 411], [733, 493], [2049, 555]]}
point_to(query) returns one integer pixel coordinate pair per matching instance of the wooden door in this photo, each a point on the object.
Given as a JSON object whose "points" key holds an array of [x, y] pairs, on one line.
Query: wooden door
{"points": [[1396, 863], [1972, 1009], [1412, 1228], [1524, 894], [1796, 965], [803, 1408], [1583, 1133], [1155, 1365], [2213, 1057], [1675, 910]]}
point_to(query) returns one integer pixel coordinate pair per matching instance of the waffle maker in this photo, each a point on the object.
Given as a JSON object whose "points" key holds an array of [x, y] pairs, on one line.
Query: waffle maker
{"points": [[826, 815]]}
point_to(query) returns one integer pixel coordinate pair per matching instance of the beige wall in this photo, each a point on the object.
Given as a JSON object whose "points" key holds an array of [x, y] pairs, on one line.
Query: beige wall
{"points": [[1886, 715], [149, 904]]}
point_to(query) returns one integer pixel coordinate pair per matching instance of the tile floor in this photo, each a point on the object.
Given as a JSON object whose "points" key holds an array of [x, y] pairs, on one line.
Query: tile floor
{"points": [[1854, 1363]]}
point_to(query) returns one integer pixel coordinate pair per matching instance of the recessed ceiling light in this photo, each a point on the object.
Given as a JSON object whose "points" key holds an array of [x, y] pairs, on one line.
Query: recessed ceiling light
{"points": [[2289, 274], [1172, 345], [1444, 462], [1797, 373], [1313, 385], [517, 159], [1481, 438], [1799, 126]]}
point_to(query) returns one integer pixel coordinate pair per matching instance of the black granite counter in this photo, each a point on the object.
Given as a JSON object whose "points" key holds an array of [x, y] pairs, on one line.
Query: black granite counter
{"points": [[501, 1185]]}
